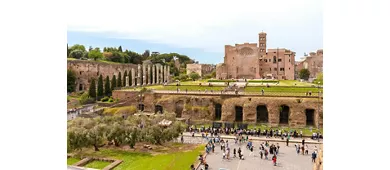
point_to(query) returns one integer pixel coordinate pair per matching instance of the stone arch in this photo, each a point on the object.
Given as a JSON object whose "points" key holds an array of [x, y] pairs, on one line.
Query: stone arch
{"points": [[81, 87], [309, 116], [158, 109], [284, 114], [179, 106], [261, 114], [238, 113], [218, 111]]}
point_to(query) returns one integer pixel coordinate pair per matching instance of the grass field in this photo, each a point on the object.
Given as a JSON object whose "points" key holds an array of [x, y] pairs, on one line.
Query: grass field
{"points": [[146, 161], [282, 89], [97, 164], [71, 161]]}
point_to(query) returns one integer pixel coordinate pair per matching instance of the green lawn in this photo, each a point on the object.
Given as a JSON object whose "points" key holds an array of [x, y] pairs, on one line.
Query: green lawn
{"points": [[282, 89], [145, 161], [97, 164], [71, 161]]}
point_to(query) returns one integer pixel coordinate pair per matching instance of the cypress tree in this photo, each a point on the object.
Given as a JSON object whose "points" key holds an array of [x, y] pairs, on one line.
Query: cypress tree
{"points": [[124, 78], [92, 89], [113, 83], [119, 84], [107, 89], [100, 86]]}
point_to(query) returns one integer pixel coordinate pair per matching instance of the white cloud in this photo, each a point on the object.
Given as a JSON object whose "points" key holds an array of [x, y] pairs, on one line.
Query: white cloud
{"points": [[208, 25]]}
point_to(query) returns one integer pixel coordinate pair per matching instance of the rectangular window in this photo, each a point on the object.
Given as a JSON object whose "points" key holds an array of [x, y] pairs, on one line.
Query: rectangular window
{"points": [[279, 60], [288, 60], [261, 59], [269, 60], [275, 69], [281, 69], [269, 69], [265, 60], [261, 69], [289, 68]]}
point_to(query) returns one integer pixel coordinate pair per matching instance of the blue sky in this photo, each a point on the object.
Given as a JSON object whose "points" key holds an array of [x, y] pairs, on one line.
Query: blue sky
{"points": [[199, 29]]}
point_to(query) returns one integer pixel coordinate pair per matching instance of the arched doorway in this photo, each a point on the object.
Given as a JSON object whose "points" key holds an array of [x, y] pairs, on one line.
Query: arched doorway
{"points": [[238, 113], [81, 88], [141, 107], [218, 111], [179, 108], [158, 109], [284, 114], [262, 114], [309, 117]]}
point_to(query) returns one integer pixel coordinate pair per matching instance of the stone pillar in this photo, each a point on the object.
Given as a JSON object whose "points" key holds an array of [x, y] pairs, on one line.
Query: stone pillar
{"points": [[139, 75], [162, 74], [133, 77], [127, 81], [149, 81], [157, 75], [169, 74], [143, 75], [153, 75]]}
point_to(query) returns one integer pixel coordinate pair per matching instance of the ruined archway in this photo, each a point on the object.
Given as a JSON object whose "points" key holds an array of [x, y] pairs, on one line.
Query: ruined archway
{"points": [[218, 111], [179, 108], [239, 113], [81, 88], [309, 117], [262, 114], [284, 114], [158, 109], [141, 107]]}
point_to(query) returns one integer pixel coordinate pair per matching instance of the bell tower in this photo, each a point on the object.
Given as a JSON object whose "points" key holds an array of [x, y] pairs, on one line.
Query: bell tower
{"points": [[262, 43]]}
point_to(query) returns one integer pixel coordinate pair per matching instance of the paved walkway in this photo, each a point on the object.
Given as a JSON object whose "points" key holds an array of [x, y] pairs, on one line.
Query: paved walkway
{"points": [[262, 138]]}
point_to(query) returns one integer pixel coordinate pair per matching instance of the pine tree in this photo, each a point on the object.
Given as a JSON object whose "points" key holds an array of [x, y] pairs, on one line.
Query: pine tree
{"points": [[120, 49], [124, 78], [119, 84], [107, 89], [113, 83], [92, 89], [100, 86]]}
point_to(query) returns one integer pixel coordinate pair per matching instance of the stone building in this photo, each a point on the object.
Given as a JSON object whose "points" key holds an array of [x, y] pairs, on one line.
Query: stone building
{"points": [[274, 111], [201, 69], [143, 74], [313, 62], [254, 61]]}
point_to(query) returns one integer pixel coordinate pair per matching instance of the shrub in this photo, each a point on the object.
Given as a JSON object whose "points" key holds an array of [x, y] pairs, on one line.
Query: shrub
{"points": [[110, 100], [104, 99]]}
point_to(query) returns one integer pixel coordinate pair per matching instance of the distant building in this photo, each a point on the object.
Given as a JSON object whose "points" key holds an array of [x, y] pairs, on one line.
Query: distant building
{"points": [[313, 62], [201, 69], [254, 61]]}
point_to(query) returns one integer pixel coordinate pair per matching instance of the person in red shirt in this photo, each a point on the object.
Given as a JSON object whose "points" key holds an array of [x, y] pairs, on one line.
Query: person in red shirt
{"points": [[274, 160]]}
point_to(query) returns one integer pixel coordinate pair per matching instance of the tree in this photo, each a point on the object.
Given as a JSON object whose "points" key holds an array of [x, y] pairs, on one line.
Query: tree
{"points": [[95, 54], [115, 57], [107, 89], [67, 48], [194, 76], [92, 89], [71, 81], [146, 54], [183, 77], [119, 84], [120, 49], [304, 74], [124, 78], [213, 74], [76, 54], [77, 47], [100, 86], [113, 83]]}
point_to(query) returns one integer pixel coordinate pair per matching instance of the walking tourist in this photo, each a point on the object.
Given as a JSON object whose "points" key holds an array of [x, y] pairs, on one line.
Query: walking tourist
{"points": [[274, 160], [313, 156], [234, 152]]}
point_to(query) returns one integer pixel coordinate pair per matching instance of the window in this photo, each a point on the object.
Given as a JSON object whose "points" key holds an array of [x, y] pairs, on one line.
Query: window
{"points": [[261, 59], [279, 60], [261, 69], [265, 60], [289, 68], [274, 59], [275, 69], [269, 60], [288, 60], [269, 69], [281, 69]]}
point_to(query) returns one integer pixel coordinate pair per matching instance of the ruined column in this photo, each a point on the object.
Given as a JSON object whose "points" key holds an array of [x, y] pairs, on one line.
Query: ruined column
{"points": [[143, 75], [139, 75], [149, 81], [157, 75], [133, 77], [162, 74], [127, 81], [153, 75], [169, 74]]}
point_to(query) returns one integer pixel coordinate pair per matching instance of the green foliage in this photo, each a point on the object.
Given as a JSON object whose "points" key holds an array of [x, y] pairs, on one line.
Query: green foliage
{"points": [[183, 77], [115, 57], [124, 79], [119, 83], [120, 49], [194, 76], [113, 83], [95, 54], [213, 74], [100, 86], [319, 79], [85, 99], [107, 89], [71, 81], [77, 47], [221, 80], [92, 89], [76, 54], [304, 74]]}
